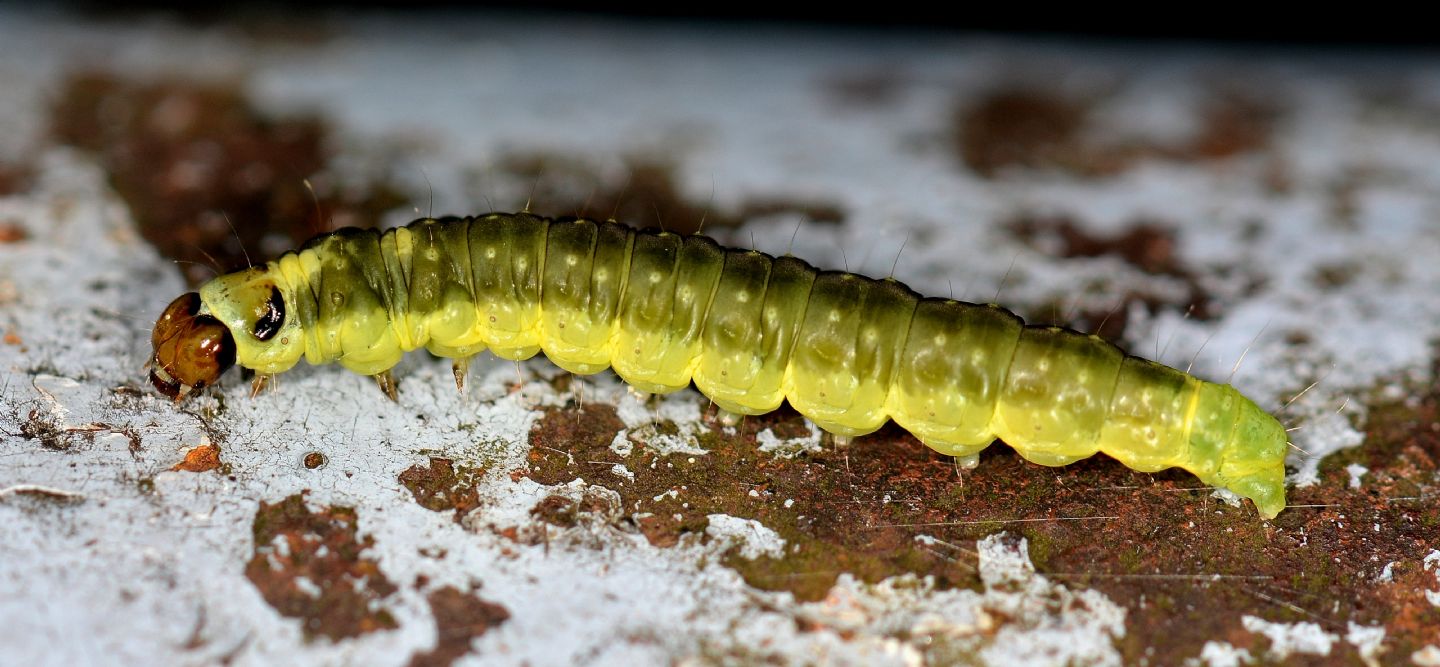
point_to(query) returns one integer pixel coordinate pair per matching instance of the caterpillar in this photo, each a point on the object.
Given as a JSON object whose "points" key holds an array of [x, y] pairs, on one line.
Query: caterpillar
{"points": [[748, 329]]}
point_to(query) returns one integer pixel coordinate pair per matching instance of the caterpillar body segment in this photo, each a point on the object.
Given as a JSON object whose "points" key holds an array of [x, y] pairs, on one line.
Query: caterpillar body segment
{"points": [[749, 330]]}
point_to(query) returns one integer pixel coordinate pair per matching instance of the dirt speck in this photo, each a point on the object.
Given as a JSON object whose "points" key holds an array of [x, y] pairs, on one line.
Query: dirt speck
{"points": [[459, 619], [42, 426], [308, 564], [203, 458]]}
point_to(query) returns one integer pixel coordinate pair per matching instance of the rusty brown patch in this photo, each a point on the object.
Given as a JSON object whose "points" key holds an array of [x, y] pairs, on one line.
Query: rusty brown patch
{"points": [[647, 197], [442, 486], [1231, 124], [556, 511], [313, 460], [589, 428], [309, 565], [1145, 244], [459, 619], [203, 458], [1022, 128], [1335, 275], [812, 210], [1028, 128], [15, 178], [12, 232], [186, 156], [837, 521], [1186, 566], [870, 89]]}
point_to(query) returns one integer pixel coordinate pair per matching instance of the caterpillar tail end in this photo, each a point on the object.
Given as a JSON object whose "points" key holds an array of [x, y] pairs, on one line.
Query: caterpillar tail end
{"points": [[1253, 465], [1266, 490]]}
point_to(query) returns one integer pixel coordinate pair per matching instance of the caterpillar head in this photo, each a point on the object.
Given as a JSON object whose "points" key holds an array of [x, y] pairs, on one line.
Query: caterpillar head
{"points": [[192, 348], [240, 317]]}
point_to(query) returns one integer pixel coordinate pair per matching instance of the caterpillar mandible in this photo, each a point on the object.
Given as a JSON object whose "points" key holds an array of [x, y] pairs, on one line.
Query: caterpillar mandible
{"points": [[750, 330]]}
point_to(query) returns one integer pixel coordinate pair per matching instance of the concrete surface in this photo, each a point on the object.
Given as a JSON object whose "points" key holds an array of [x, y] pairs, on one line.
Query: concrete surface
{"points": [[108, 556]]}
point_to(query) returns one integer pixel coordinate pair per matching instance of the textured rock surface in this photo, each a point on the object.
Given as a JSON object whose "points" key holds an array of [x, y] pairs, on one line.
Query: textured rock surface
{"points": [[1286, 203]]}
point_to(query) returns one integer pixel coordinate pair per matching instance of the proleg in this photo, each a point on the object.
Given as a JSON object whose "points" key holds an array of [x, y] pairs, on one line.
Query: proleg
{"points": [[747, 329]]}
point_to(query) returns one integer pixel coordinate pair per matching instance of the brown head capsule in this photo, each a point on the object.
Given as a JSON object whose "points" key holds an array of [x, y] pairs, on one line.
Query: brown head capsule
{"points": [[191, 349]]}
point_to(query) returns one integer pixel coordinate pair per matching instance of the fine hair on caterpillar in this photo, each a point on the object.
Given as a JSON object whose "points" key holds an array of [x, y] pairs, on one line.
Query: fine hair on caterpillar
{"points": [[748, 329]]}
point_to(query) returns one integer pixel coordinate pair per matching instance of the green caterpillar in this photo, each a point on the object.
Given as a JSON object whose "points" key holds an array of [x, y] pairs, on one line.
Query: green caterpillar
{"points": [[750, 330]]}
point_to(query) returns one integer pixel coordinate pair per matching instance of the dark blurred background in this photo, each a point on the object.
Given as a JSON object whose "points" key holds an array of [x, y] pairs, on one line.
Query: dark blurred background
{"points": [[1342, 24]]}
